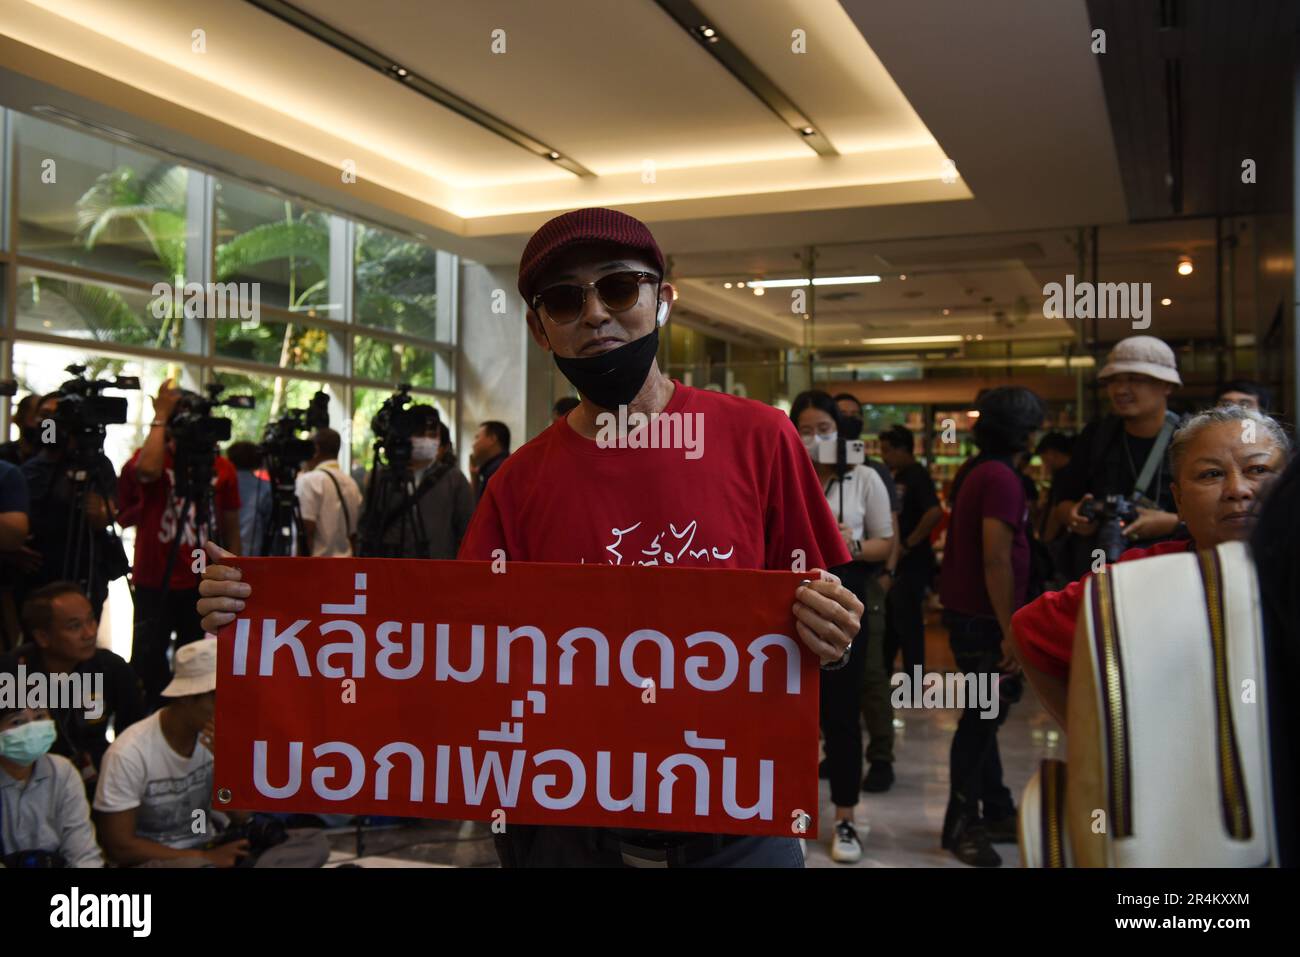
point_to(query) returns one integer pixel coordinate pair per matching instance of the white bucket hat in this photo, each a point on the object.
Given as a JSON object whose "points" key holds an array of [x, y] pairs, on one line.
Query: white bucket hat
{"points": [[195, 667], [1142, 355]]}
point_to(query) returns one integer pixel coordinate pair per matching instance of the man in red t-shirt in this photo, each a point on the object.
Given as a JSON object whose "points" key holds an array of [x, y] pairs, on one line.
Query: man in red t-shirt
{"points": [[744, 495], [147, 488]]}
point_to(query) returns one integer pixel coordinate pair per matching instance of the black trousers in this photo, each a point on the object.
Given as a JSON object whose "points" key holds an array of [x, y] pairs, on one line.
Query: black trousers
{"points": [[905, 614], [841, 695], [975, 766], [160, 613]]}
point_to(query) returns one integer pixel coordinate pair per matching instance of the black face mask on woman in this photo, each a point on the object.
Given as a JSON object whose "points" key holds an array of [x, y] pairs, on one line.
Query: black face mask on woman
{"points": [[615, 377]]}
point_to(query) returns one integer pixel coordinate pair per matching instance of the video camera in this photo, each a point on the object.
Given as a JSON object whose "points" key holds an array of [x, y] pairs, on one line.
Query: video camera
{"points": [[394, 425], [194, 427], [84, 411], [280, 441], [1111, 514]]}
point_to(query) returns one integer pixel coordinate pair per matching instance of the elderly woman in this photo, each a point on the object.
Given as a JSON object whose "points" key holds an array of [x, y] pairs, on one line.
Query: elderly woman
{"points": [[1223, 462]]}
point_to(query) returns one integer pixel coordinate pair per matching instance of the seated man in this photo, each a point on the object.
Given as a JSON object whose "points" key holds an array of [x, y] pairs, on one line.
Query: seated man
{"points": [[154, 800], [1220, 480], [58, 619], [44, 817]]}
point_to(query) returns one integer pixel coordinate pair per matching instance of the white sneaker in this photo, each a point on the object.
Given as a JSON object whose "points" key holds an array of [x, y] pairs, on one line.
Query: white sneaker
{"points": [[846, 848]]}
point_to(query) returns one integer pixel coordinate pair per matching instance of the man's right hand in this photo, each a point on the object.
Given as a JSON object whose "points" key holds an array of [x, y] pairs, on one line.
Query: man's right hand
{"points": [[223, 593], [228, 855], [1079, 523]]}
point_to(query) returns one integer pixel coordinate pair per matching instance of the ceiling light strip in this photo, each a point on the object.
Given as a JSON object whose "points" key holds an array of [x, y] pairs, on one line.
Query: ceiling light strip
{"points": [[819, 281], [421, 85], [701, 29]]}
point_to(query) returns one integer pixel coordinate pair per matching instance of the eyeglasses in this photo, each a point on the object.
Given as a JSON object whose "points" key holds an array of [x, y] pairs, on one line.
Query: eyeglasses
{"points": [[619, 291]]}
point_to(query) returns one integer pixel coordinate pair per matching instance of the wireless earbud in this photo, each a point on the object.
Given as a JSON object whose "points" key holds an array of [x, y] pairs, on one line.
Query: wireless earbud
{"points": [[662, 316]]}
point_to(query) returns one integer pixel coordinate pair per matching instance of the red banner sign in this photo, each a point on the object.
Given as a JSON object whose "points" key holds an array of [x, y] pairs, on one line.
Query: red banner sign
{"points": [[659, 698]]}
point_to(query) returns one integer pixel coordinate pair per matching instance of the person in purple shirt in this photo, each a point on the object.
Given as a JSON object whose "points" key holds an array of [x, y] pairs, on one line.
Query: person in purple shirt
{"points": [[983, 580]]}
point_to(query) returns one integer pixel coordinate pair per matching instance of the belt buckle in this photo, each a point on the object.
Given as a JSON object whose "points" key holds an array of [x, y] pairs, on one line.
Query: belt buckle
{"points": [[636, 856]]}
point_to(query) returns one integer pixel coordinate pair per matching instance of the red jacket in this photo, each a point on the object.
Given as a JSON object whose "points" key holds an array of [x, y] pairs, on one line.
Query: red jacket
{"points": [[1044, 629]]}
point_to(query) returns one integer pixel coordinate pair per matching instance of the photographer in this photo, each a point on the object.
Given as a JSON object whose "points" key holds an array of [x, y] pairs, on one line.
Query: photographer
{"points": [[95, 557], [166, 607], [593, 281], [63, 630], [1219, 483], [983, 580], [330, 501], [443, 495], [1123, 454], [44, 816], [28, 443]]}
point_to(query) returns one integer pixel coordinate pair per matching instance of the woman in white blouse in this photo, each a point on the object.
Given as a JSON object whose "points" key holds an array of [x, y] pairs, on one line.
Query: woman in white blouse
{"points": [[860, 502]]}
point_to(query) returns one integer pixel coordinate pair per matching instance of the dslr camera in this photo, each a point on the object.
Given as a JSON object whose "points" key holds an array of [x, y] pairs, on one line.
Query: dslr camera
{"points": [[1111, 513]]}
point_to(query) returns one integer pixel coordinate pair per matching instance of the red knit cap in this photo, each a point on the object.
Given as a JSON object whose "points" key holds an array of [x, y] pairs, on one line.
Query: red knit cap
{"points": [[594, 225]]}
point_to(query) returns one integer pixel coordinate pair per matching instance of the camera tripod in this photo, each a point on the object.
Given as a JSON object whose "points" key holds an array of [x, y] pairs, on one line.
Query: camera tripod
{"points": [[391, 524], [285, 532], [86, 478], [193, 470]]}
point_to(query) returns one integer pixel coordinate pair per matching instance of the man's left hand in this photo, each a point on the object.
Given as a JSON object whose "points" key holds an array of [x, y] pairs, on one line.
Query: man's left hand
{"points": [[827, 616], [1151, 523]]}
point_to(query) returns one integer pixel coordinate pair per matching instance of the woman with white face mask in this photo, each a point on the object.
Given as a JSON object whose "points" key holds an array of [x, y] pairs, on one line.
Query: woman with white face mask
{"points": [[44, 815], [860, 502]]}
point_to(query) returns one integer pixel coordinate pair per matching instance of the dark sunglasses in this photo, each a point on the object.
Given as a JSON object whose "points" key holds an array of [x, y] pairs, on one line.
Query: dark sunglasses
{"points": [[619, 291]]}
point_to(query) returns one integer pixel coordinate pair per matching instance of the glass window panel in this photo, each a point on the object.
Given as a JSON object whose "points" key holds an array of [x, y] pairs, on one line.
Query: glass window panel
{"points": [[91, 202], [385, 361], [40, 368], [103, 313], [275, 242], [281, 344], [395, 283]]}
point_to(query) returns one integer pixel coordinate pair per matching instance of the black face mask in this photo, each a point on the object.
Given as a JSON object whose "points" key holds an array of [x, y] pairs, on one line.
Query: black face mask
{"points": [[850, 427], [615, 377]]}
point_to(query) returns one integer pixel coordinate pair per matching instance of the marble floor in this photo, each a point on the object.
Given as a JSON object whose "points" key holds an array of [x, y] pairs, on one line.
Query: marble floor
{"points": [[900, 828]]}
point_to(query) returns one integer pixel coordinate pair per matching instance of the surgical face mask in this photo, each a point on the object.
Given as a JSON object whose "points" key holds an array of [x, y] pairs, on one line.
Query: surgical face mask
{"points": [[424, 449], [615, 377], [27, 742]]}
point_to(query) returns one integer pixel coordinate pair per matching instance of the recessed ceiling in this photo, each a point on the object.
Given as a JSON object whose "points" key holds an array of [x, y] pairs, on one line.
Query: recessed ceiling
{"points": [[620, 88]]}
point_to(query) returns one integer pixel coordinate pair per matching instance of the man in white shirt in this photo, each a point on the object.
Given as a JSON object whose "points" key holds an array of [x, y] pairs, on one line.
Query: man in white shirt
{"points": [[329, 500], [154, 799]]}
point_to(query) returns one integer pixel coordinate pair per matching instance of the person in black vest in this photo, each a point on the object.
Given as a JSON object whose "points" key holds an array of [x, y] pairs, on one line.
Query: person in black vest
{"points": [[1125, 453], [62, 630]]}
